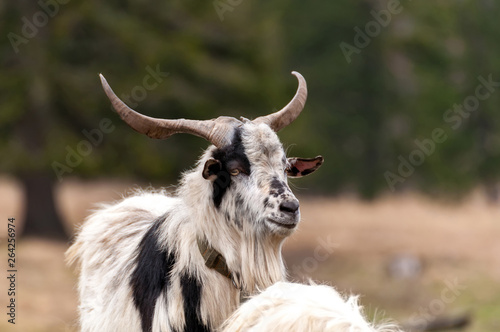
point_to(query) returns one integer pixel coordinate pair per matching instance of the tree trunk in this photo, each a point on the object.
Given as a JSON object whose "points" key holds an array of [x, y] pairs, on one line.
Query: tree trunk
{"points": [[41, 216]]}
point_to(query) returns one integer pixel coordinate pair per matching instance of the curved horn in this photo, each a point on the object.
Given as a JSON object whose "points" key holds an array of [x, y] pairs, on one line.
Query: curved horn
{"points": [[217, 131], [290, 112]]}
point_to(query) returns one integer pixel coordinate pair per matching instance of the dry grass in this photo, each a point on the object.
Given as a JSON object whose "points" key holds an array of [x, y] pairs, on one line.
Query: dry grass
{"points": [[451, 241]]}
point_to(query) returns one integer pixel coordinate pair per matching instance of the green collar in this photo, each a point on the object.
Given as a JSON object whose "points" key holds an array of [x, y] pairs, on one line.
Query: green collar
{"points": [[214, 260]]}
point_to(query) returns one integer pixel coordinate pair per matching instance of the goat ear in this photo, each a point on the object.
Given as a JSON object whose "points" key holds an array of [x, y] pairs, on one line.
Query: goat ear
{"points": [[301, 166], [211, 169]]}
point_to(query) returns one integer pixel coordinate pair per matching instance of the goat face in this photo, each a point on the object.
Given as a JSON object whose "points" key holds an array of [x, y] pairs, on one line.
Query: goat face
{"points": [[249, 179], [247, 161]]}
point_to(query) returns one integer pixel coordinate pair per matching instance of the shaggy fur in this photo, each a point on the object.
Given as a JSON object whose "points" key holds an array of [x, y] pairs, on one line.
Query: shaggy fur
{"points": [[301, 308], [141, 269]]}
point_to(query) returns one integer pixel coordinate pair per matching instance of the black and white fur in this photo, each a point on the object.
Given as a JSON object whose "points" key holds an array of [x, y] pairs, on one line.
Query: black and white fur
{"points": [[141, 269]]}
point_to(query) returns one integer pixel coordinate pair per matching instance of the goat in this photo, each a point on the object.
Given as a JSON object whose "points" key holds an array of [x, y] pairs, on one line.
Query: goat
{"points": [[155, 262], [293, 307]]}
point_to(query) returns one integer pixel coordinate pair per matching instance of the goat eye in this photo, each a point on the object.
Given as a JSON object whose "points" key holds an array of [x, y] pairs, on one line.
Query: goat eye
{"points": [[234, 172]]}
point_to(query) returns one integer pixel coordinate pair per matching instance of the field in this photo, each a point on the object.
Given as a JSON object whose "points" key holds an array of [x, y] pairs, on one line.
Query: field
{"points": [[409, 257]]}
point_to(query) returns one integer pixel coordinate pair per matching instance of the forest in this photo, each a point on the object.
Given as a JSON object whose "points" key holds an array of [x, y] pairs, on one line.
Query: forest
{"points": [[402, 95], [403, 106]]}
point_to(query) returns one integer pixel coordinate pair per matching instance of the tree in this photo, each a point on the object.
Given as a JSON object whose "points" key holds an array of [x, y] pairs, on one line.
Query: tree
{"points": [[169, 59], [349, 95], [382, 79], [478, 46]]}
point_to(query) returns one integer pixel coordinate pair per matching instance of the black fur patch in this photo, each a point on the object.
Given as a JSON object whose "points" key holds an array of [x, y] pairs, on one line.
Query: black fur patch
{"points": [[303, 166], [277, 187], [240, 210], [267, 204], [233, 154], [294, 171], [307, 171], [238, 201], [191, 293], [151, 274]]}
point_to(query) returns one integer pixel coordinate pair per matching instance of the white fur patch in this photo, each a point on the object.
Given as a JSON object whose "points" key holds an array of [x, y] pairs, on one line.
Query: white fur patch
{"points": [[295, 307]]}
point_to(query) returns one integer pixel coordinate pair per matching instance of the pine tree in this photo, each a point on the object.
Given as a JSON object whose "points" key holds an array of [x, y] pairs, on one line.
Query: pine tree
{"points": [[166, 59]]}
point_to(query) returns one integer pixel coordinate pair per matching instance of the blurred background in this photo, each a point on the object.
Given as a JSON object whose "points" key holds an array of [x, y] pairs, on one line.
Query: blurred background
{"points": [[403, 104]]}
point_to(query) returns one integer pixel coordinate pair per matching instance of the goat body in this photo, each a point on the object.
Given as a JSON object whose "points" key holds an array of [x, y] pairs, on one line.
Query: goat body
{"points": [[140, 265], [295, 307]]}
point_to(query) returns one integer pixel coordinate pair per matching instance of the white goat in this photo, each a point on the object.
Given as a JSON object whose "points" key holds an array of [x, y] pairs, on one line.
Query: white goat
{"points": [[295, 307], [154, 262]]}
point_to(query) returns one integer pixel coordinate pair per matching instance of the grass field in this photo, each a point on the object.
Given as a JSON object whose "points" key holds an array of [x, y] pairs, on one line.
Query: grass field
{"points": [[451, 252]]}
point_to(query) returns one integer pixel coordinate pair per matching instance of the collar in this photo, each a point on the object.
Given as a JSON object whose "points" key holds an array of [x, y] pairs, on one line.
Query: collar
{"points": [[214, 260]]}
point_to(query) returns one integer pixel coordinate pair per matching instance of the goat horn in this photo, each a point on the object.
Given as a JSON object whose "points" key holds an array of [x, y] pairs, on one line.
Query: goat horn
{"points": [[216, 131], [290, 112]]}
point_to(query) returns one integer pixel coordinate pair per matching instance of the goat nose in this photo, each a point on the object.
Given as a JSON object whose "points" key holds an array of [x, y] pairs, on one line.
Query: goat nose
{"points": [[290, 206]]}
